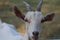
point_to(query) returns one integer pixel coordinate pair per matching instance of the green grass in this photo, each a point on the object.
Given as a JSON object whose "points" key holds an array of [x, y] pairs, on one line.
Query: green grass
{"points": [[50, 29]]}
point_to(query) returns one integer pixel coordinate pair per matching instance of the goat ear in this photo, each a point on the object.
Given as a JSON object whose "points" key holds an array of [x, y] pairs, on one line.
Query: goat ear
{"points": [[48, 17], [19, 14]]}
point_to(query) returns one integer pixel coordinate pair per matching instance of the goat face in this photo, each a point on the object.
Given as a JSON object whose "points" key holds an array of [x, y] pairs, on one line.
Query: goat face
{"points": [[33, 20], [34, 24]]}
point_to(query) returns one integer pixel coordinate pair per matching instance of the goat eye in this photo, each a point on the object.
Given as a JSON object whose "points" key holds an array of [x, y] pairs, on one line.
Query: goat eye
{"points": [[42, 21], [27, 20]]}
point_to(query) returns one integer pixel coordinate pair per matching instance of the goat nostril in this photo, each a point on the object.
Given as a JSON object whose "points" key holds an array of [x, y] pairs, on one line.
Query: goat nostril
{"points": [[36, 33]]}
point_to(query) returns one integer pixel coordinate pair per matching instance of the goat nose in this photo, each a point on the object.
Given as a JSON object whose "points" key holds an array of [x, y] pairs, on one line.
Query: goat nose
{"points": [[35, 33]]}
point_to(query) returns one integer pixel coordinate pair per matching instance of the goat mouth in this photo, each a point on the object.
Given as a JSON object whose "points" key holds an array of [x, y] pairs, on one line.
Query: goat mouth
{"points": [[35, 37]]}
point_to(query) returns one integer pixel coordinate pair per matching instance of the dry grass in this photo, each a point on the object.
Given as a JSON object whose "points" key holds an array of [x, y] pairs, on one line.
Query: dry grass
{"points": [[21, 29]]}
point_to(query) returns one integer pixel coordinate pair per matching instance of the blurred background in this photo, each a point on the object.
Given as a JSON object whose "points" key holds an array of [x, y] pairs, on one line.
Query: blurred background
{"points": [[50, 29]]}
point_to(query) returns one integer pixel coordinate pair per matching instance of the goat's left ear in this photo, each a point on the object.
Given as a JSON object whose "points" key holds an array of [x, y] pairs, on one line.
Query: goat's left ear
{"points": [[48, 17]]}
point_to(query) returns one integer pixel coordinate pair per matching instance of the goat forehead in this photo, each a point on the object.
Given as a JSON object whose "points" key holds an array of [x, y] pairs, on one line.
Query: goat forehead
{"points": [[33, 14], [35, 21]]}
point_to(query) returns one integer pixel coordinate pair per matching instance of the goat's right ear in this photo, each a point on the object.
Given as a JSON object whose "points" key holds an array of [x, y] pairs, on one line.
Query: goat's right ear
{"points": [[18, 13]]}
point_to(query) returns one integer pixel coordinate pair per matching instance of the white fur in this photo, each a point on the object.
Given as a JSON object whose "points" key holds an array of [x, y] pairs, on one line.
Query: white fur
{"points": [[35, 23], [8, 32]]}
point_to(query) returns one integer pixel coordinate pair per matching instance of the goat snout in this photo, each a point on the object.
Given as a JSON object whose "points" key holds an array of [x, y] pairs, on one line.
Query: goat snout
{"points": [[35, 33]]}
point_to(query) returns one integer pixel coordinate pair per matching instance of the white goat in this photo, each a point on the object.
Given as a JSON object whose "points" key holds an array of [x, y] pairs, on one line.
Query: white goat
{"points": [[8, 32], [33, 20]]}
